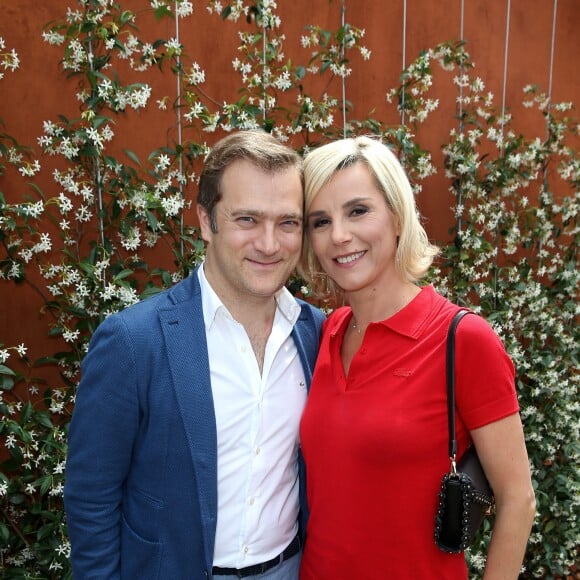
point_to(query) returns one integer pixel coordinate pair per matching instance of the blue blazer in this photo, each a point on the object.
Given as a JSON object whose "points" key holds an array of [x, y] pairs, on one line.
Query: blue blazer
{"points": [[141, 476]]}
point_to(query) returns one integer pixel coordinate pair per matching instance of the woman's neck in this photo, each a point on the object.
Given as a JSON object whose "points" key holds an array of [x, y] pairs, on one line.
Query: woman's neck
{"points": [[376, 304]]}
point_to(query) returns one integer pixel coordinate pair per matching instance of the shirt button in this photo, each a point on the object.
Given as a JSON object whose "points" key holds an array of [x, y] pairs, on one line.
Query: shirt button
{"points": [[246, 549], [251, 501], [258, 451], [243, 349]]}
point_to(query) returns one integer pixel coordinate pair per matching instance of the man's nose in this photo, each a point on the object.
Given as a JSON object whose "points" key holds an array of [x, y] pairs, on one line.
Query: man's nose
{"points": [[267, 241]]}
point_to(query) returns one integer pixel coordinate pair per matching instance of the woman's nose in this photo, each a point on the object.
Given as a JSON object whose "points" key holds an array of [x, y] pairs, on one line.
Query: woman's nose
{"points": [[339, 232]]}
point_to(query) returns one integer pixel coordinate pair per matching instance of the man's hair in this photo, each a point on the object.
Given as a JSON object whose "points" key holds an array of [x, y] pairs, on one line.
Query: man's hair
{"points": [[414, 252], [258, 147]]}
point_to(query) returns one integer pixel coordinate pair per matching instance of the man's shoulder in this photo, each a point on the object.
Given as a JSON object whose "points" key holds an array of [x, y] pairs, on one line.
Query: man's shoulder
{"points": [[183, 291]]}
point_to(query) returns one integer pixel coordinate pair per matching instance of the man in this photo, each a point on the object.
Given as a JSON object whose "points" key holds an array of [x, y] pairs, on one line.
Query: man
{"points": [[183, 446]]}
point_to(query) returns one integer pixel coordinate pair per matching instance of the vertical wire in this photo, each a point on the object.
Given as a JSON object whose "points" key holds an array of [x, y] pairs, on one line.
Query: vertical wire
{"points": [[97, 169], [461, 21], [264, 90], [552, 52], [505, 67], [503, 112], [179, 137], [404, 58], [342, 23], [550, 80], [460, 189]]}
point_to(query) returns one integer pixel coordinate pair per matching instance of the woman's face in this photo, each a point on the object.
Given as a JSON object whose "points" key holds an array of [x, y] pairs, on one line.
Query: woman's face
{"points": [[352, 231]]}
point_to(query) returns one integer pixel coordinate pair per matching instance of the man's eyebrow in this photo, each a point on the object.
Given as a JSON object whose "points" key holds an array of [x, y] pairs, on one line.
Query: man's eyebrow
{"points": [[259, 213], [242, 211], [292, 216]]}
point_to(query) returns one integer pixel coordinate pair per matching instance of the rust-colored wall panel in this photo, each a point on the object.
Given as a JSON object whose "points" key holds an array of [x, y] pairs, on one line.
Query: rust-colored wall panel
{"points": [[39, 91]]}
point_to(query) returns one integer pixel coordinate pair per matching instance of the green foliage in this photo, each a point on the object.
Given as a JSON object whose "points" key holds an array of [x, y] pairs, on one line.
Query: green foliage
{"points": [[513, 257], [515, 260]]}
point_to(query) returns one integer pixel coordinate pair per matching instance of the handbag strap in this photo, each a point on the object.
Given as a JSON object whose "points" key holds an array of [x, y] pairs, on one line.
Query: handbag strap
{"points": [[450, 373]]}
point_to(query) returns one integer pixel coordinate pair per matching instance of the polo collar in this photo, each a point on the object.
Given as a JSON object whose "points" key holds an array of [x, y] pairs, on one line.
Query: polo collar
{"points": [[410, 321]]}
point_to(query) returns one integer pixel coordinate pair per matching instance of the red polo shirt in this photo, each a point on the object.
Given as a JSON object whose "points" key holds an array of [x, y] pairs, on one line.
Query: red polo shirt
{"points": [[375, 441]]}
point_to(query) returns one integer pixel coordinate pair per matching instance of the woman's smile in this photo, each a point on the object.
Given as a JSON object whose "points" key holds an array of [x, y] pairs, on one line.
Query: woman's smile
{"points": [[349, 258]]}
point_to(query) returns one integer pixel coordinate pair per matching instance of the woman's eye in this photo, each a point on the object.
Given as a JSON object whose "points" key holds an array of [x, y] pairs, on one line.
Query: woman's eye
{"points": [[319, 222], [359, 211]]}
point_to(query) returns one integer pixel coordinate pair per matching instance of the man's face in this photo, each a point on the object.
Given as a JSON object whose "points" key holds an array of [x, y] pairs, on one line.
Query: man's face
{"points": [[259, 233]]}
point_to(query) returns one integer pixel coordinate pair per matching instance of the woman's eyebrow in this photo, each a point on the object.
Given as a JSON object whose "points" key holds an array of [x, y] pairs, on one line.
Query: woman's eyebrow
{"points": [[316, 213], [350, 203]]}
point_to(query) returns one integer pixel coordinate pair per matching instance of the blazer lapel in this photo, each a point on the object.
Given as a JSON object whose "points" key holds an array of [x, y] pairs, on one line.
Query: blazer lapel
{"points": [[184, 333], [306, 335]]}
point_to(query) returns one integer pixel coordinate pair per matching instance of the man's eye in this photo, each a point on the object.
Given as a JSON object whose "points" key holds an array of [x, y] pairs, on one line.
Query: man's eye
{"points": [[291, 224]]}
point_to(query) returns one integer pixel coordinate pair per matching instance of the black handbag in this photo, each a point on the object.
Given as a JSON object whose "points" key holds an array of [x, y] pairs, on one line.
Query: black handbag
{"points": [[465, 496]]}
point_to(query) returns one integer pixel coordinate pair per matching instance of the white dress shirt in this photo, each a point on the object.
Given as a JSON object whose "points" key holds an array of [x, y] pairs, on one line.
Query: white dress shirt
{"points": [[257, 419]]}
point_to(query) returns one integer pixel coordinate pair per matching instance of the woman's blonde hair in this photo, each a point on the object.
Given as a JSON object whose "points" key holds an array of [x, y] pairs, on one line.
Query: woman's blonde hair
{"points": [[414, 252]]}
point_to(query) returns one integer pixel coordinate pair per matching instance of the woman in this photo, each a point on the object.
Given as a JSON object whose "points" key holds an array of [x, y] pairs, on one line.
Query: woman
{"points": [[374, 431]]}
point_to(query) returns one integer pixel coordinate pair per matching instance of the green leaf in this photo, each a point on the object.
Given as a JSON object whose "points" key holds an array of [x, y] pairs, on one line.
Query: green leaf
{"points": [[6, 382], [4, 370], [132, 156]]}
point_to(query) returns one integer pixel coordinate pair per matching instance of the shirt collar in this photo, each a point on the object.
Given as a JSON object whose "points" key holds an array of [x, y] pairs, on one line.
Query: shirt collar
{"points": [[410, 321], [413, 318], [211, 303]]}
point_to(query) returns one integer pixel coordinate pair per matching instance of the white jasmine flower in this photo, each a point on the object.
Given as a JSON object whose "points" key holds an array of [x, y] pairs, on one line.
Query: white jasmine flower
{"points": [[163, 162], [184, 8], [196, 75], [365, 52]]}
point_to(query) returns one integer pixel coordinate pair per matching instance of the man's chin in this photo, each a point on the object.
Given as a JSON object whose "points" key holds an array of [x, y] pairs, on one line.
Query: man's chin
{"points": [[268, 291], [267, 286]]}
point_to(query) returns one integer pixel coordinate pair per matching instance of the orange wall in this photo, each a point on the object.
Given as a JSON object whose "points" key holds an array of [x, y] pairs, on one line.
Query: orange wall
{"points": [[38, 90]]}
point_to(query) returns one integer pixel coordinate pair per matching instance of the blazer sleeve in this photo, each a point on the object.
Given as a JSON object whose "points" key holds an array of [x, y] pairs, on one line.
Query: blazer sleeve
{"points": [[101, 436], [307, 337]]}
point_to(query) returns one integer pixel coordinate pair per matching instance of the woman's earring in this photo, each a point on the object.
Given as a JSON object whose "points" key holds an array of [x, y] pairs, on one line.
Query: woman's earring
{"points": [[397, 255]]}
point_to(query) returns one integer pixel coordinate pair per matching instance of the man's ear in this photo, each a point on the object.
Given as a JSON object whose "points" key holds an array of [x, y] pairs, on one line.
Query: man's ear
{"points": [[204, 223]]}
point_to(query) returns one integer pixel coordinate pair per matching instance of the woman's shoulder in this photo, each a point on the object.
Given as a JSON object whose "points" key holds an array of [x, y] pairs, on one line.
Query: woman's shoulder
{"points": [[336, 318], [477, 335]]}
